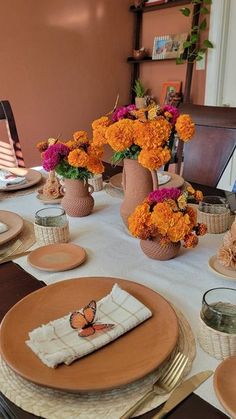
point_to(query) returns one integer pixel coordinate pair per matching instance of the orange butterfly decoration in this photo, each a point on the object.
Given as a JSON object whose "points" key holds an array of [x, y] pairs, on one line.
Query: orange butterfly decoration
{"points": [[84, 321]]}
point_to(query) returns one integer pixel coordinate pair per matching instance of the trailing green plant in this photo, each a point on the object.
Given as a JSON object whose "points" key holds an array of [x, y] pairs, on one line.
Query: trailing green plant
{"points": [[139, 89], [194, 47]]}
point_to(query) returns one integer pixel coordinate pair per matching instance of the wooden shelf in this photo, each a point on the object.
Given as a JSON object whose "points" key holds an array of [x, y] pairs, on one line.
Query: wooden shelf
{"points": [[146, 9], [131, 60]]}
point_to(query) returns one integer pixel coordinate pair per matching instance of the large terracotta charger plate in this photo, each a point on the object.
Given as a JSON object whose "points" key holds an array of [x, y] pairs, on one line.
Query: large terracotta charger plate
{"points": [[32, 178], [224, 384], [174, 181], [128, 358], [15, 224]]}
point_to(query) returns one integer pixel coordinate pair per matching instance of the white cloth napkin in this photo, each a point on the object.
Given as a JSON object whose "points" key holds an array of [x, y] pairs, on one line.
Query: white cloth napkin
{"points": [[162, 179], [3, 227], [8, 179], [57, 342]]}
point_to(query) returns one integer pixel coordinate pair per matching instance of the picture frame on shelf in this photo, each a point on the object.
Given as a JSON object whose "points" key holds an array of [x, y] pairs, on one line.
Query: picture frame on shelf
{"points": [[170, 92], [168, 46], [155, 2]]}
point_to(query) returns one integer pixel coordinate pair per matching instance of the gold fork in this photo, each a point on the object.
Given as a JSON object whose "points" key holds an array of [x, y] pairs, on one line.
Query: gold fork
{"points": [[164, 384], [10, 250]]}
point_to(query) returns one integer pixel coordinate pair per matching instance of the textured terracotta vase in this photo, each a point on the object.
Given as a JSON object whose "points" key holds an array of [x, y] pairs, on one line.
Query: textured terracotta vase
{"points": [[137, 183], [77, 200], [154, 250]]}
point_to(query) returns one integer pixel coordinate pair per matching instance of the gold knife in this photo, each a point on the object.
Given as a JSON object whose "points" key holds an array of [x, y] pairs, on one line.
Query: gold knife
{"points": [[182, 391], [16, 256]]}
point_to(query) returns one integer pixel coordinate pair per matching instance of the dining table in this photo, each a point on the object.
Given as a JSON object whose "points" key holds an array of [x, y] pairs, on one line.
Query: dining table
{"points": [[113, 252]]}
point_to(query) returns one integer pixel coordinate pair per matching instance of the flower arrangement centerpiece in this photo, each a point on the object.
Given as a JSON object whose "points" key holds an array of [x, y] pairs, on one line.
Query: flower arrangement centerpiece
{"points": [[165, 219], [75, 161], [143, 139], [227, 252]]}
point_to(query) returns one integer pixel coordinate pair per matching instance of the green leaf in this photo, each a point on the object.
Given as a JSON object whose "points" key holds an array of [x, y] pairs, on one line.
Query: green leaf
{"points": [[203, 25], [195, 28], [185, 11], [187, 44], [202, 51], [208, 44], [204, 11], [194, 38], [207, 1], [180, 60], [196, 1], [199, 58]]}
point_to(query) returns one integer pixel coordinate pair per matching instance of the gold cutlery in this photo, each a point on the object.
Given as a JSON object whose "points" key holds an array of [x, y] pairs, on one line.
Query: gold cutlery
{"points": [[167, 381], [9, 250], [13, 257], [183, 391], [19, 171]]}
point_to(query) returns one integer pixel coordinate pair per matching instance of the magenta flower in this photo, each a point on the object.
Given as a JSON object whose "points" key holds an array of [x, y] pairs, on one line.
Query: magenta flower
{"points": [[174, 112], [53, 155], [122, 112], [160, 195]]}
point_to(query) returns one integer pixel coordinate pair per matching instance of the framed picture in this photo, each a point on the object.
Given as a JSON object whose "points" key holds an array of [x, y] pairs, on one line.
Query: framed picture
{"points": [[154, 2], [168, 46], [169, 92]]}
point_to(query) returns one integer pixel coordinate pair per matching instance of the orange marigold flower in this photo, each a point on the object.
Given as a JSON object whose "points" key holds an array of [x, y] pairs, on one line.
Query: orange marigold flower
{"points": [[140, 221], [121, 134], [95, 165], [42, 146], [162, 217], [190, 190], [104, 121], [192, 213], [78, 158], [96, 150], [99, 136], [185, 127], [198, 195], [201, 229], [151, 159], [152, 134], [80, 137], [190, 241], [71, 144], [166, 154], [180, 226]]}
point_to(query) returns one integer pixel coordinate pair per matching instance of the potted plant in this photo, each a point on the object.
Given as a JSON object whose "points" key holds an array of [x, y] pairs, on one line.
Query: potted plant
{"points": [[140, 92]]}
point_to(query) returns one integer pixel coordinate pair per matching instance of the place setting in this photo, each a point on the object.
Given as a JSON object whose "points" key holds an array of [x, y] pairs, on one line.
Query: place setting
{"points": [[16, 180]]}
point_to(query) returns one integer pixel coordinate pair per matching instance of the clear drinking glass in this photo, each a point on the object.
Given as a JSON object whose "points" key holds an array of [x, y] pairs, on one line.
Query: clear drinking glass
{"points": [[219, 309], [51, 217], [214, 205]]}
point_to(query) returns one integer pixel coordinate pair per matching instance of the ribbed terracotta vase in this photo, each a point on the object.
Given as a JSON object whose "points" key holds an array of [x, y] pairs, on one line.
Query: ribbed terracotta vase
{"points": [[137, 182], [154, 250], [77, 200]]}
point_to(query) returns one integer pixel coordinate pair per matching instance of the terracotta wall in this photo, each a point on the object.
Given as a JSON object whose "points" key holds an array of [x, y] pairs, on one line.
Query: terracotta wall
{"points": [[153, 74], [63, 62]]}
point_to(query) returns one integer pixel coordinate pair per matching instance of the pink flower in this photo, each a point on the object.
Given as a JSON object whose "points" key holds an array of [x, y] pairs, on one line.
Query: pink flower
{"points": [[122, 112], [160, 195], [53, 155], [174, 112]]}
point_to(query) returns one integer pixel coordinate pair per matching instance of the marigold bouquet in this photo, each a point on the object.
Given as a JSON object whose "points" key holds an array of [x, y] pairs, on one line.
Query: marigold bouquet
{"points": [[166, 213], [146, 135], [78, 158]]}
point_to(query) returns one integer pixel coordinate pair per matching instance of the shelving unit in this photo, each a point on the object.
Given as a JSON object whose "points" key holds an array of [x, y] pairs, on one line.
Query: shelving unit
{"points": [[138, 17]]}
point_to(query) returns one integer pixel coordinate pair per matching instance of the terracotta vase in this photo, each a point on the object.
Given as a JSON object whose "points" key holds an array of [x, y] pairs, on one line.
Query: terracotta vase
{"points": [[77, 200], [154, 250], [137, 183]]}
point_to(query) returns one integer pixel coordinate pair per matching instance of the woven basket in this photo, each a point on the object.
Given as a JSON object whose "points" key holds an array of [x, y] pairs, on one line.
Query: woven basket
{"points": [[48, 235], [97, 182], [220, 345], [216, 223]]}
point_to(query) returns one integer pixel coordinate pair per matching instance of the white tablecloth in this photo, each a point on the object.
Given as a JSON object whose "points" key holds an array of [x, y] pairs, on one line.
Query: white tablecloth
{"points": [[113, 252]]}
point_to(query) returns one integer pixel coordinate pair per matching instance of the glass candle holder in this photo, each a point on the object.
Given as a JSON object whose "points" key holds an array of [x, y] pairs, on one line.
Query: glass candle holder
{"points": [[51, 217], [219, 309], [214, 205]]}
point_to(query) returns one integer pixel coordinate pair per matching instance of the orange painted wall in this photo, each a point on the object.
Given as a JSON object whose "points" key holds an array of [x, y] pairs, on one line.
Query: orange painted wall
{"points": [[62, 64], [64, 61]]}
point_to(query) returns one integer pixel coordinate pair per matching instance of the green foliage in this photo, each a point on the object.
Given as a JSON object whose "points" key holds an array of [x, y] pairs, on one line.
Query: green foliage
{"points": [[69, 172], [194, 49], [139, 89], [129, 153]]}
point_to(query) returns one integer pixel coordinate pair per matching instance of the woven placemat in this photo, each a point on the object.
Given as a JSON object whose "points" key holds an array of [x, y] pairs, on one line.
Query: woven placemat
{"points": [[27, 238], [52, 404], [26, 191]]}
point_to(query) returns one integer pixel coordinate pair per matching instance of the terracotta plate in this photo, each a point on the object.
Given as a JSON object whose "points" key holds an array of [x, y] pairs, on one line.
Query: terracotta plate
{"points": [[57, 257], [123, 361], [175, 181], [32, 177], [15, 225], [47, 200], [225, 385], [220, 269]]}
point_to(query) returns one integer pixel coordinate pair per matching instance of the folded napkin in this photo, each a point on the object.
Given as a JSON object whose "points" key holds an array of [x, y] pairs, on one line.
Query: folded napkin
{"points": [[3, 227], [162, 179], [57, 342], [8, 179]]}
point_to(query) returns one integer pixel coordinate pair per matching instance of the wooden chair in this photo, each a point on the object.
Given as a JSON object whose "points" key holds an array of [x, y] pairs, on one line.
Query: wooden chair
{"points": [[10, 152], [208, 153]]}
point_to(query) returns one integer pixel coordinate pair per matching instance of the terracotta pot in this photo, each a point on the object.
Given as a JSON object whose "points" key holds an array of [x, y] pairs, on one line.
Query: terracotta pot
{"points": [[77, 200], [137, 182], [154, 250]]}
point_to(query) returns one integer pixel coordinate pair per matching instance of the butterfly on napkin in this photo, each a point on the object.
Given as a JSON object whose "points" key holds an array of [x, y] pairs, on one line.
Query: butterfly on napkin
{"points": [[84, 321]]}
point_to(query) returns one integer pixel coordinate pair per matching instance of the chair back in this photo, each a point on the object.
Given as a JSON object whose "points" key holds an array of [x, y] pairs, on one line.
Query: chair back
{"points": [[208, 153], [10, 152]]}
